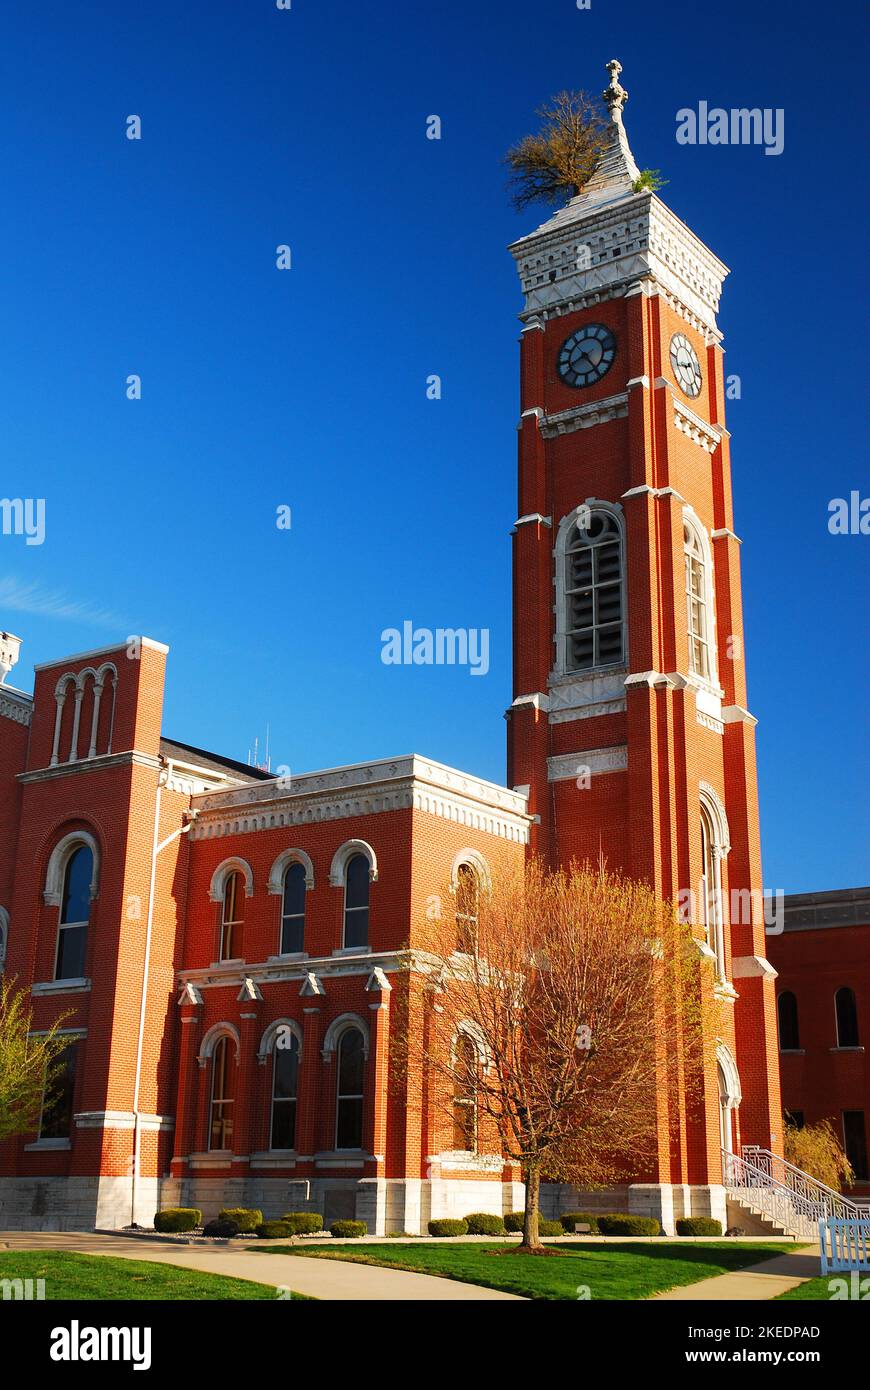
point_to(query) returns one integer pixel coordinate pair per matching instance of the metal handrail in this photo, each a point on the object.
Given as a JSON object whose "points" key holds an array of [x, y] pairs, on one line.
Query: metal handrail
{"points": [[803, 1184], [797, 1213]]}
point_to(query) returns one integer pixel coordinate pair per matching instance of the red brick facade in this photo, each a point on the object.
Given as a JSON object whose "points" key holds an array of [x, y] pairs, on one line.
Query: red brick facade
{"points": [[177, 1052]]}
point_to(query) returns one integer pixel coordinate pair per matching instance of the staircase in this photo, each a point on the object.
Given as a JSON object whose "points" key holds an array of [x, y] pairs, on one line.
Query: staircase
{"points": [[781, 1196]]}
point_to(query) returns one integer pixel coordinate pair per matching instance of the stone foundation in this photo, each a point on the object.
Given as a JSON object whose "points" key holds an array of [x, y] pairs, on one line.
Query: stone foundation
{"points": [[387, 1205]]}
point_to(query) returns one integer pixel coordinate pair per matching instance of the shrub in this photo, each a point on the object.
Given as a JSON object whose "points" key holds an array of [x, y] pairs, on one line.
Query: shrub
{"points": [[446, 1227], [223, 1230], [303, 1223], [549, 1228], [177, 1219], [622, 1225], [818, 1151], [246, 1218], [484, 1223], [699, 1226], [579, 1218], [348, 1230], [514, 1220], [273, 1230]]}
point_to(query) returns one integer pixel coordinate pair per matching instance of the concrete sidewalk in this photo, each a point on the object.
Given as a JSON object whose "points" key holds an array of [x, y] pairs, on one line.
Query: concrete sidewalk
{"points": [[757, 1283], [319, 1278]]}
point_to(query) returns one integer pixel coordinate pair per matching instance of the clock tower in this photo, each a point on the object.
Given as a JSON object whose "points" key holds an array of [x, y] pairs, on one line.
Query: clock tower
{"points": [[629, 724]]}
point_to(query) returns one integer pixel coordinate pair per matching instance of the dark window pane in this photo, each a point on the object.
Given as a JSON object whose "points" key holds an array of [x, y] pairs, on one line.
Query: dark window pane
{"points": [[286, 1071], [284, 1124], [76, 905], [789, 1033], [294, 891], [71, 945], [855, 1142], [350, 1063], [57, 1113], [357, 882], [356, 927], [847, 1019], [349, 1125], [292, 935]]}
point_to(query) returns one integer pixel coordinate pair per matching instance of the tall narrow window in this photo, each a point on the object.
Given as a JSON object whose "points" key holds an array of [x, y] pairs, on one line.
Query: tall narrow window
{"points": [[711, 894], [356, 901], [232, 917], [75, 911], [57, 1109], [285, 1081], [594, 594], [350, 1089], [293, 911], [696, 605], [787, 1014], [223, 1094], [465, 1095], [467, 901], [847, 1018], [855, 1142]]}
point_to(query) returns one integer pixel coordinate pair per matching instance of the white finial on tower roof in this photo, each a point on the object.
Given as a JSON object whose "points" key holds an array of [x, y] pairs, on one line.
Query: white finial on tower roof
{"points": [[614, 95]]}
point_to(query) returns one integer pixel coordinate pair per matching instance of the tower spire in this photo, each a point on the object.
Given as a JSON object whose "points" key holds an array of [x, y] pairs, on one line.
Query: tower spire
{"points": [[614, 95]]}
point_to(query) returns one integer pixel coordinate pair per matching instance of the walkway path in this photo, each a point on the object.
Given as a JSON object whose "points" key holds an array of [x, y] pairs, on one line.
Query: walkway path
{"points": [[758, 1282], [327, 1279]]}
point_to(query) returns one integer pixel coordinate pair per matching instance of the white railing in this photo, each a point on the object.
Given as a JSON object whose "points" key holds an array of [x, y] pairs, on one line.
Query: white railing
{"points": [[844, 1245], [810, 1194], [758, 1189]]}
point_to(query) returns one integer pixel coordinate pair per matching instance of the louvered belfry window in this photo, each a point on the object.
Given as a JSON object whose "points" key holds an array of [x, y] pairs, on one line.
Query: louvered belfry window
{"points": [[594, 603]]}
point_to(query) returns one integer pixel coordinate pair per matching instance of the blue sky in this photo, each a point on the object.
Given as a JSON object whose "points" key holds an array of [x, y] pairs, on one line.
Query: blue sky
{"points": [[307, 388]]}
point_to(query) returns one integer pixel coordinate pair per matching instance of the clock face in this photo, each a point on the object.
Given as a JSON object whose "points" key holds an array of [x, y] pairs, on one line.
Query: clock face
{"points": [[587, 355], [687, 368]]}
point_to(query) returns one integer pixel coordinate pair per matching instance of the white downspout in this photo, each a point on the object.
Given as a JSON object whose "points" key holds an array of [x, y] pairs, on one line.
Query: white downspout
{"points": [[162, 779]]}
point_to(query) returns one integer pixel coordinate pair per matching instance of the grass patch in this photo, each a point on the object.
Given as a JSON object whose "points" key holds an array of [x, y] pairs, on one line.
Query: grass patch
{"points": [[629, 1271], [73, 1276], [820, 1290]]}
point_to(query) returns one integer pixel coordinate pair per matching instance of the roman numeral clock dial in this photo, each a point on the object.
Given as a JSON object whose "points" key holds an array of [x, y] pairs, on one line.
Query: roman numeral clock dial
{"points": [[587, 355], [687, 368]]}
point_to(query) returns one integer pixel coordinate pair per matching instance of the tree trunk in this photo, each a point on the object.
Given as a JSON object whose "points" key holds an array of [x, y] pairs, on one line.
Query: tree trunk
{"points": [[531, 1240]]}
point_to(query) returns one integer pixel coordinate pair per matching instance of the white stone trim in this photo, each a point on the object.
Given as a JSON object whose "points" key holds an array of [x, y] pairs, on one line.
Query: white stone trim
{"points": [[475, 860], [337, 1028], [749, 967], [725, 1058], [229, 866], [343, 856], [16, 706], [117, 649], [566, 526], [533, 518], [736, 714], [282, 864], [74, 985], [584, 417], [267, 1042], [213, 1036], [565, 766], [60, 857]]}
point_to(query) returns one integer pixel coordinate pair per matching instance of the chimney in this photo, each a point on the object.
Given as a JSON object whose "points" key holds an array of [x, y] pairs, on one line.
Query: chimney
{"points": [[10, 646]]}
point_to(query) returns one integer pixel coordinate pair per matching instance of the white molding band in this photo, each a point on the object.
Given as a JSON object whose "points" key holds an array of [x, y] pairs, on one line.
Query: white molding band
{"points": [[568, 766]]}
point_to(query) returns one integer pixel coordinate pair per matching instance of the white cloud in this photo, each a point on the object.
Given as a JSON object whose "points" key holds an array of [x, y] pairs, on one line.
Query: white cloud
{"points": [[53, 603]]}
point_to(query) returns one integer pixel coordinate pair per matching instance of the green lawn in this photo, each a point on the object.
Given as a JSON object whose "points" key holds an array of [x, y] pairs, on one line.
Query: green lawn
{"points": [[634, 1270], [820, 1288], [88, 1277]]}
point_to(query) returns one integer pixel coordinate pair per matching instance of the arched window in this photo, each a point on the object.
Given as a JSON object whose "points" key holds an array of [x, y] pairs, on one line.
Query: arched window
{"points": [[293, 910], [467, 907], [711, 892], [847, 1017], [787, 1015], [699, 617], [223, 1095], [356, 901], [593, 592], [75, 912], [465, 1067], [350, 1086], [232, 916], [285, 1083]]}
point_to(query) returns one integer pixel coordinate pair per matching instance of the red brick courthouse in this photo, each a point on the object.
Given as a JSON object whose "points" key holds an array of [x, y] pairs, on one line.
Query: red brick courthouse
{"points": [[227, 943]]}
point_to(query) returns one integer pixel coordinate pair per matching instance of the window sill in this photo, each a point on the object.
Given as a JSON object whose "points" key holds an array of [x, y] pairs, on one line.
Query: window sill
{"points": [[287, 956], [353, 951], [231, 964], [48, 1146], [792, 1052], [845, 1049], [73, 985]]}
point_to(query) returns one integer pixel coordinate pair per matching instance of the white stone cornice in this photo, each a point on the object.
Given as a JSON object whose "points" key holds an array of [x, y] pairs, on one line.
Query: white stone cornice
{"points": [[106, 760], [725, 534], [594, 761], [16, 706], [533, 518], [582, 417], [693, 427], [736, 714], [538, 701], [746, 967], [403, 783], [638, 381]]}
